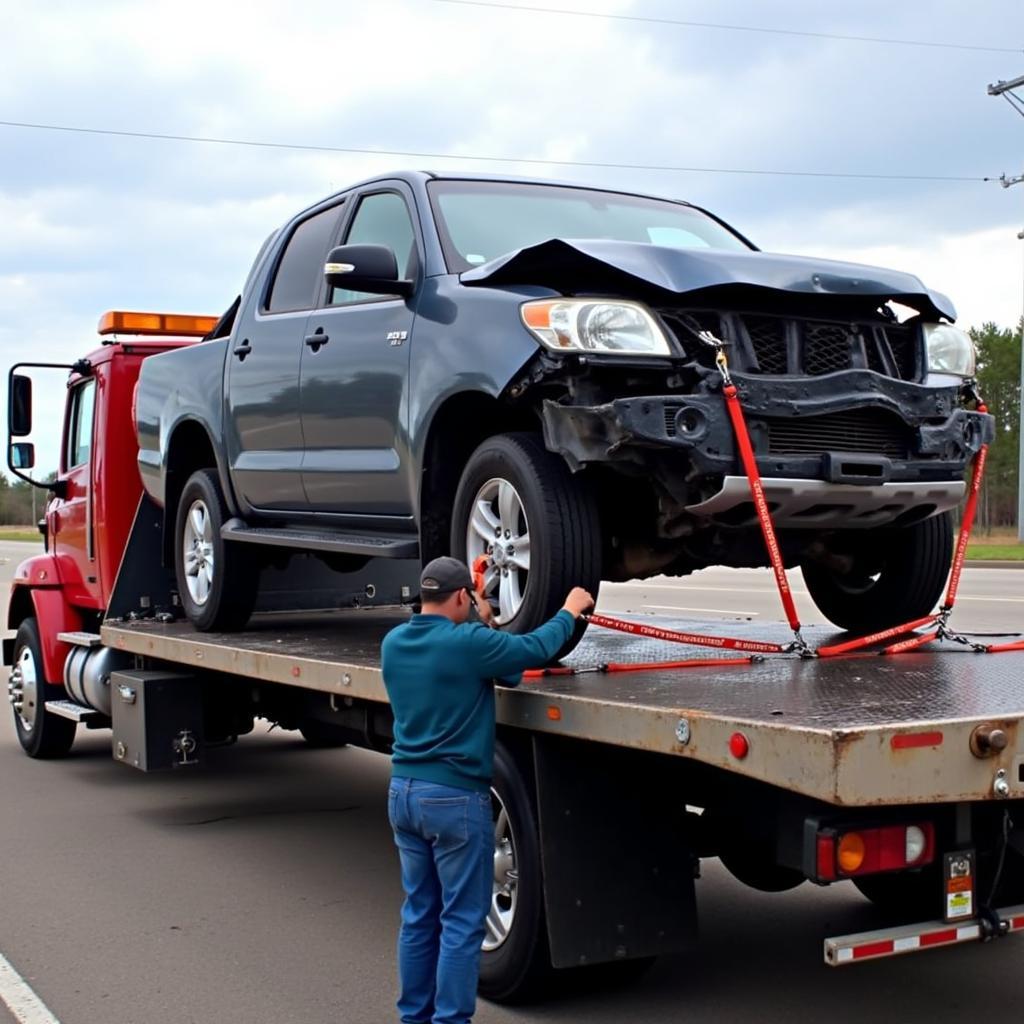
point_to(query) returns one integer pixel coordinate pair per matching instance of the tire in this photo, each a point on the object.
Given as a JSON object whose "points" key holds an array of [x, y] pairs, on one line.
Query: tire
{"points": [[322, 735], [895, 576], [40, 733], [515, 965], [220, 593], [556, 512]]}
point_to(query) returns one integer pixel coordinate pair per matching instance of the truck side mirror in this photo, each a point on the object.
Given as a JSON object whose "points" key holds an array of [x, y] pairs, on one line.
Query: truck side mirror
{"points": [[23, 455], [19, 410], [365, 268]]}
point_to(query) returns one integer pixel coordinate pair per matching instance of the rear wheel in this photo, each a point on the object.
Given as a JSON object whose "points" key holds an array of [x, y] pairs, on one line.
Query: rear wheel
{"points": [[40, 732], [518, 504], [515, 962], [216, 581], [877, 579]]}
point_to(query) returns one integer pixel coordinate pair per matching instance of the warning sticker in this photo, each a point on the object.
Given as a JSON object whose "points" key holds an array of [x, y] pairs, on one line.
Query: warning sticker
{"points": [[959, 904]]}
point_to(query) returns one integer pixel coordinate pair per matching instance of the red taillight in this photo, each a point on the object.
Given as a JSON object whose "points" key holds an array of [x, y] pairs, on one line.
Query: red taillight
{"points": [[846, 853]]}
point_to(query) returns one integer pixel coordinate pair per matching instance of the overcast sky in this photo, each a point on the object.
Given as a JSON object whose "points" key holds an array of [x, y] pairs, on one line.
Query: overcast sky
{"points": [[90, 222]]}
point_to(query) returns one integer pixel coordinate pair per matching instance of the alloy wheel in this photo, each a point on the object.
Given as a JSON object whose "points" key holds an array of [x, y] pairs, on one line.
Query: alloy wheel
{"points": [[498, 528], [197, 552]]}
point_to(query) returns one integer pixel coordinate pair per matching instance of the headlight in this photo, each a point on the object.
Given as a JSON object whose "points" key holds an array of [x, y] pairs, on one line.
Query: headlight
{"points": [[589, 325], [950, 350]]}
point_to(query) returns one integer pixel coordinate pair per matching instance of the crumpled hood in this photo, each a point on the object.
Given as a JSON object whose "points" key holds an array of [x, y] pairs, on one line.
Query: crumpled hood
{"points": [[588, 266]]}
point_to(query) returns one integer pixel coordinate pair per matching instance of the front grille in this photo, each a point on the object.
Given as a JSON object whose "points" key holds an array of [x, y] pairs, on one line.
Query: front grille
{"points": [[864, 431], [776, 345]]}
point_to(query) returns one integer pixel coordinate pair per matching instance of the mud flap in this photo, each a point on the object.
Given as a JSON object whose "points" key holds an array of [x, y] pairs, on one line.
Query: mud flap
{"points": [[618, 870]]}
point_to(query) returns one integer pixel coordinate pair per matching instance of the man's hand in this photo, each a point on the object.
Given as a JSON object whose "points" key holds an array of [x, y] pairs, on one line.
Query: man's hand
{"points": [[483, 607], [578, 602]]}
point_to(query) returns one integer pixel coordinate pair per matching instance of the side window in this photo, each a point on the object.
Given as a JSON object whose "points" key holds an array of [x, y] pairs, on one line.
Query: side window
{"points": [[381, 219], [79, 431], [301, 267]]}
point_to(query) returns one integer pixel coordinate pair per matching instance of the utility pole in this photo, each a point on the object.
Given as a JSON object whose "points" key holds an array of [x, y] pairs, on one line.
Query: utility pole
{"points": [[1005, 89]]}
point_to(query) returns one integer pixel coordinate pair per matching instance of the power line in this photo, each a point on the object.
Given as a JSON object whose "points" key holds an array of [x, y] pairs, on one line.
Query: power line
{"points": [[729, 28], [418, 154]]}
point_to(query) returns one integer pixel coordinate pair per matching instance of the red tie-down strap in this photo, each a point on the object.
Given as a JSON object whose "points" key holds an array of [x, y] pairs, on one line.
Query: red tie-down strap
{"points": [[764, 516], [676, 637], [638, 666]]}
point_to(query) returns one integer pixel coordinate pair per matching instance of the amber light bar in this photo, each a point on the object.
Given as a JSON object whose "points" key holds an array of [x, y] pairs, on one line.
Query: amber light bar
{"points": [[161, 324]]}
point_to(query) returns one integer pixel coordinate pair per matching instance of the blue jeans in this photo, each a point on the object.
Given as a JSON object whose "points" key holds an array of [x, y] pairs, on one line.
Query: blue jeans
{"points": [[445, 842]]}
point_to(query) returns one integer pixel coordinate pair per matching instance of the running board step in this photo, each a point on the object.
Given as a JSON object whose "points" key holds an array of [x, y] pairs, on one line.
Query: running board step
{"points": [[371, 545], [69, 709], [81, 639]]}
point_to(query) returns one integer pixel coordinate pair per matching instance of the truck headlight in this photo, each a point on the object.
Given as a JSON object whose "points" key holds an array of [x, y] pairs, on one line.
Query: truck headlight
{"points": [[950, 350], [593, 325]]}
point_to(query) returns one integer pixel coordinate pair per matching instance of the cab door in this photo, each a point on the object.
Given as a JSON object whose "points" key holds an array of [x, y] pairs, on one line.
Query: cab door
{"points": [[354, 382], [264, 430], [74, 540]]}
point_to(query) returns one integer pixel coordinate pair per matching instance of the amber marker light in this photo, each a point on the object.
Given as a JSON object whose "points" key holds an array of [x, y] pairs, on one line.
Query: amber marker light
{"points": [[118, 321], [851, 852]]}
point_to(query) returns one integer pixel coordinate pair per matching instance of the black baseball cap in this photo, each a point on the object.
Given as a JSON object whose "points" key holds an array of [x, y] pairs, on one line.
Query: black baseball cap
{"points": [[444, 575]]}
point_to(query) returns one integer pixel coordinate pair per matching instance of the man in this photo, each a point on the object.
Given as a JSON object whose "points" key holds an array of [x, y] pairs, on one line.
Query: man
{"points": [[439, 672]]}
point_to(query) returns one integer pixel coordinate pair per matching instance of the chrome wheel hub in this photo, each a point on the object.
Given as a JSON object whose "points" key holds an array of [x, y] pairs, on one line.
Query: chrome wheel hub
{"points": [[506, 880], [498, 528], [23, 689], [197, 552]]}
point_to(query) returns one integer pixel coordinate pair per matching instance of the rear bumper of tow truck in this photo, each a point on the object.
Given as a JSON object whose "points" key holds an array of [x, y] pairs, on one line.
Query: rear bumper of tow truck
{"points": [[912, 938]]}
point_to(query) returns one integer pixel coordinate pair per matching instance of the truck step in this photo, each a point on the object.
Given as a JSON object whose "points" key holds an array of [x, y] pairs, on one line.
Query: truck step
{"points": [[81, 639], [373, 545], [69, 709]]}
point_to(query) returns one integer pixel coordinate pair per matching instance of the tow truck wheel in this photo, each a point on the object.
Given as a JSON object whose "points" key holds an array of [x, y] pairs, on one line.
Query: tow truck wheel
{"points": [[875, 579], [216, 581], [515, 963], [40, 733], [518, 504]]}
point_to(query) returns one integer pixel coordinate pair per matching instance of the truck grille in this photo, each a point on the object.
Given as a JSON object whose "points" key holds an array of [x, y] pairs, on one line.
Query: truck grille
{"points": [[864, 431], [776, 345]]}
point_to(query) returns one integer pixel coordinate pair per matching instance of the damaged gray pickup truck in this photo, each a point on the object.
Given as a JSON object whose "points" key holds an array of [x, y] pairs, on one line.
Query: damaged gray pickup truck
{"points": [[425, 364]]}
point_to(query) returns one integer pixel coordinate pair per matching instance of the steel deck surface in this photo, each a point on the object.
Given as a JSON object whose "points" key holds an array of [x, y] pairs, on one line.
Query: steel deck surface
{"points": [[823, 727]]}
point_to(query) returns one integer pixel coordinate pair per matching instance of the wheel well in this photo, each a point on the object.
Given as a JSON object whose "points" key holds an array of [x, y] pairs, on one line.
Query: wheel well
{"points": [[188, 449], [459, 426], [20, 608]]}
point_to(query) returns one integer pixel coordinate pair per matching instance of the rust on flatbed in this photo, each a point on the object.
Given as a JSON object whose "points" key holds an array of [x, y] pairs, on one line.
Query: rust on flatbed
{"points": [[856, 731]]}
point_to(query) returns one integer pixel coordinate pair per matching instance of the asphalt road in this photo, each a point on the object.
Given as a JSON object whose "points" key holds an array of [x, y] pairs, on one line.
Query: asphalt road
{"points": [[264, 888]]}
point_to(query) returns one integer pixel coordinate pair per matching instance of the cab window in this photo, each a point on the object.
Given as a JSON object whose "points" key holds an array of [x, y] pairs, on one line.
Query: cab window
{"points": [[301, 267], [79, 426], [381, 219]]}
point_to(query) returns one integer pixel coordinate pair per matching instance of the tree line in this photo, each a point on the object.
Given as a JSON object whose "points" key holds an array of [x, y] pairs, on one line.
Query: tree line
{"points": [[1000, 386]]}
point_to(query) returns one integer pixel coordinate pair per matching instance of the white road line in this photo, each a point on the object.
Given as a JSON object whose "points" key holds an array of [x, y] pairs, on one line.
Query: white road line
{"points": [[19, 998], [684, 608]]}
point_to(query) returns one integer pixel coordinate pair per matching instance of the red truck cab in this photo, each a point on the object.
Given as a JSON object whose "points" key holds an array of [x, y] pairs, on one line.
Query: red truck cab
{"points": [[89, 515]]}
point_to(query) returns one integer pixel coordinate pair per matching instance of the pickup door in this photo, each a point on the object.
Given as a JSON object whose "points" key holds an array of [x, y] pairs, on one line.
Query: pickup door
{"points": [[354, 381], [263, 417]]}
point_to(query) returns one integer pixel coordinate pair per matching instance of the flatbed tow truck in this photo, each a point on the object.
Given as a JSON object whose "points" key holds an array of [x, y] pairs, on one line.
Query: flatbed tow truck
{"points": [[615, 775]]}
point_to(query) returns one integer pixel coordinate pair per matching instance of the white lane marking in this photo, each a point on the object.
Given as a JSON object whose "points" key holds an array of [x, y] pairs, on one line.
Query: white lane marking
{"points": [[684, 608], [771, 590], [19, 998]]}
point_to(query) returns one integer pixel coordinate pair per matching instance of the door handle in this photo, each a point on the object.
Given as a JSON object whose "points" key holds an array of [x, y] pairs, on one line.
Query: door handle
{"points": [[317, 338], [243, 350]]}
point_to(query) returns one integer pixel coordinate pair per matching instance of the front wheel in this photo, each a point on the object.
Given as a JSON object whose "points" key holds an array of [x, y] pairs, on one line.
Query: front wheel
{"points": [[40, 732], [216, 581], [518, 504], [875, 579]]}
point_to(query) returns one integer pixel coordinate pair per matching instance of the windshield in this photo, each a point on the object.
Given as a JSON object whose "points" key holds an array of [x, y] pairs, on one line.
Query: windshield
{"points": [[481, 220]]}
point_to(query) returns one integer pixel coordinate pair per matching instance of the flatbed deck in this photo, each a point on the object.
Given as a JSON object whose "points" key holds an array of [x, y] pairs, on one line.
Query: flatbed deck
{"points": [[864, 730]]}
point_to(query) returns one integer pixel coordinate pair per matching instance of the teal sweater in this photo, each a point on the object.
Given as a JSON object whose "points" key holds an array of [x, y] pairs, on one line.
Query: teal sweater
{"points": [[440, 680]]}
